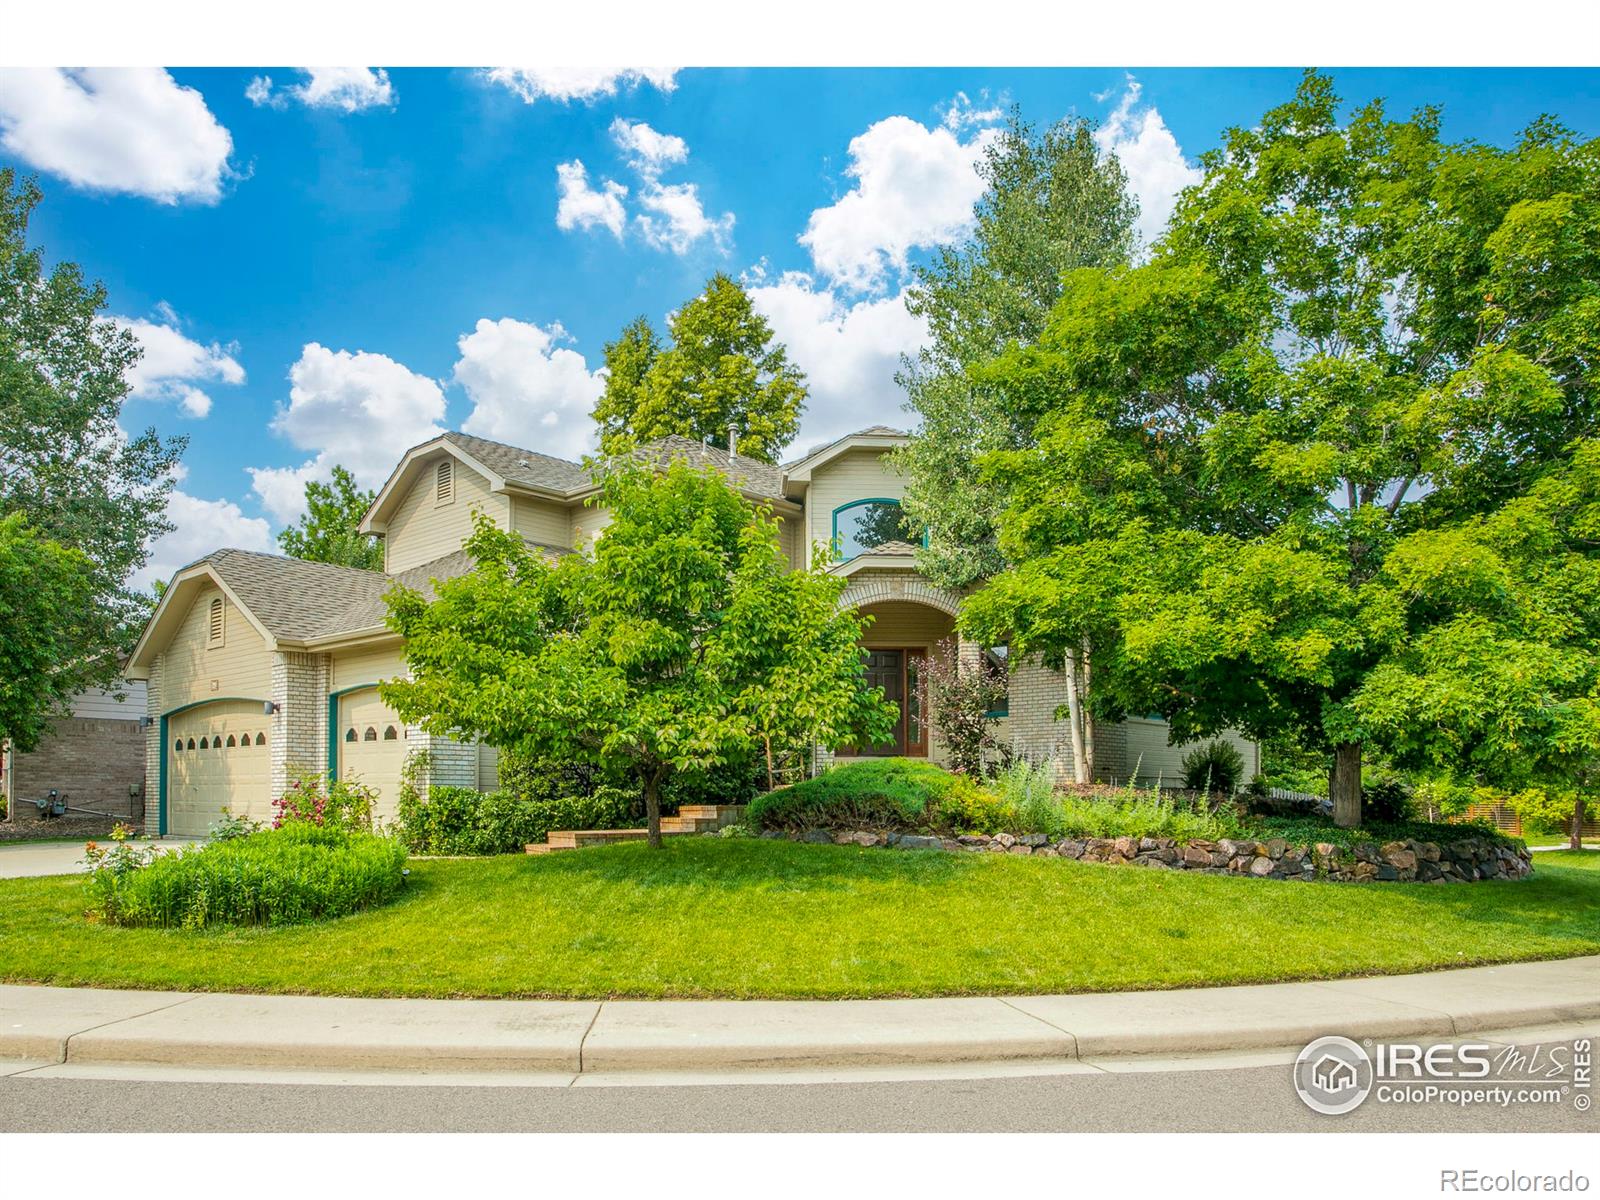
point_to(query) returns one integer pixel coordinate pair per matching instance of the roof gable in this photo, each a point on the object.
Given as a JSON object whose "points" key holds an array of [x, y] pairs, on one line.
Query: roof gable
{"points": [[877, 437]]}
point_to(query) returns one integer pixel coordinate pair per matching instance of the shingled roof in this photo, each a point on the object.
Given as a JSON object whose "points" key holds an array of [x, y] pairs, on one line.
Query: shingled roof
{"points": [[750, 474], [301, 601], [527, 467]]}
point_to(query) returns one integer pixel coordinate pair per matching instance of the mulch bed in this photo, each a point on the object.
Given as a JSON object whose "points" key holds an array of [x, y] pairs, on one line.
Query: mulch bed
{"points": [[25, 829]]}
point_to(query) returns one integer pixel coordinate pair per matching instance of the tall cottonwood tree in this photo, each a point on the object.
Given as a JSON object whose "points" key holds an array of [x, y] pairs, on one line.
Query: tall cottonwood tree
{"points": [[721, 370], [1355, 341], [1054, 203], [66, 466]]}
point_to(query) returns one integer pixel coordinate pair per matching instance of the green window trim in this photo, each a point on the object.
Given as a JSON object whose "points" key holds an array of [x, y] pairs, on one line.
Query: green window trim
{"points": [[845, 507], [333, 725]]}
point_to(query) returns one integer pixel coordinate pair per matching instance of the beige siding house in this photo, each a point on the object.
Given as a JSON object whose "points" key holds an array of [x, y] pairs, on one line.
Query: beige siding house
{"points": [[261, 668]]}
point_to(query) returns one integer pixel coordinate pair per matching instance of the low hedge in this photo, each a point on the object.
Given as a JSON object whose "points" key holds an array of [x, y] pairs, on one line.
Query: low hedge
{"points": [[284, 876], [882, 793], [457, 820]]}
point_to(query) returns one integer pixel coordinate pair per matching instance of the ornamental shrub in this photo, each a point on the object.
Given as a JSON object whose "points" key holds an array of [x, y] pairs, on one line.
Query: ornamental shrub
{"points": [[1385, 802], [880, 793], [457, 820], [1215, 767], [298, 873]]}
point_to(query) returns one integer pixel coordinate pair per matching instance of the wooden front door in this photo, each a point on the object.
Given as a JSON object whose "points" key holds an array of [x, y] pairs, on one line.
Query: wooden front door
{"points": [[895, 671]]}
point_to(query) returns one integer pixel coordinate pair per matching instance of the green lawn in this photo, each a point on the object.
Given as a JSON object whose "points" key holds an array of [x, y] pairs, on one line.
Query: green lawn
{"points": [[713, 917]]}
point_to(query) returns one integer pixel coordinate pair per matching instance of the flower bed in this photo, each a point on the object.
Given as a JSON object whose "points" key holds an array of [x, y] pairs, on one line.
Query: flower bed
{"points": [[1466, 859], [287, 876]]}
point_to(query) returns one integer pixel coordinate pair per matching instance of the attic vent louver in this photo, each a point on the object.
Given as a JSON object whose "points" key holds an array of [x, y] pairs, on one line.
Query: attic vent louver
{"points": [[444, 482], [214, 633]]}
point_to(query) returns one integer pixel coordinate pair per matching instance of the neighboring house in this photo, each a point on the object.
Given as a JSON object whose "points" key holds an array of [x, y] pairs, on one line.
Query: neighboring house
{"points": [[94, 758], [262, 667]]}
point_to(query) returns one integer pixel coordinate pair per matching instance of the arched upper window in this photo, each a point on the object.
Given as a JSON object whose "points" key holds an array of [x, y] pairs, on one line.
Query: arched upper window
{"points": [[371, 735], [864, 525], [389, 734], [350, 734], [231, 742], [214, 628], [205, 744], [444, 482], [261, 739]]}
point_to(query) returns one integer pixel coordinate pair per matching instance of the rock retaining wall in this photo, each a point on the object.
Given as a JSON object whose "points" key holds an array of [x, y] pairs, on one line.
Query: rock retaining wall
{"points": [[1465, 860]]}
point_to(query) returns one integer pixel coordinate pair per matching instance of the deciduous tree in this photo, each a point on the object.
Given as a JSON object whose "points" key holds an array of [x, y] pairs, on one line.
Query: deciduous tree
{"points": [[80, 481], [721, 370], [1054, 203], [329, 530], [1355, 341], [683, 643]]}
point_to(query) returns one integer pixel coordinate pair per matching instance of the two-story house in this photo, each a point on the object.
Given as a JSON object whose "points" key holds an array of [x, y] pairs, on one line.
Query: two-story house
{"points": [[260, 667]]}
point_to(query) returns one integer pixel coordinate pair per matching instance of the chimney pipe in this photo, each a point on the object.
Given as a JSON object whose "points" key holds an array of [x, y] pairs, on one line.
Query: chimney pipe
{"points": [[733, 441]]}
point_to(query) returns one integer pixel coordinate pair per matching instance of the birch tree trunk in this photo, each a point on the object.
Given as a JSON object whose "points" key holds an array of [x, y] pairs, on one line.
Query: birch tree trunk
{"points": [[1080, 767], [1084, 693]]}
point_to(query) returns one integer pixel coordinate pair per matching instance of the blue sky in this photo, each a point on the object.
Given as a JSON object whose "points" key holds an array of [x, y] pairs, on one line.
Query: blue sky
{"points": [[329, 267]]}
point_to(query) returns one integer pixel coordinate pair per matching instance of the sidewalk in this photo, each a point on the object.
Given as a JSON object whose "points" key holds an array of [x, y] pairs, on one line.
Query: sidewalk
{"points": [[41, 1026]]}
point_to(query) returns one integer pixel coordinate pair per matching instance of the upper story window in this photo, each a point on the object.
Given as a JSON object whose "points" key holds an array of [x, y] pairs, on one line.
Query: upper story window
{"points": [[444, 482], [864, 525], [214, 623]]}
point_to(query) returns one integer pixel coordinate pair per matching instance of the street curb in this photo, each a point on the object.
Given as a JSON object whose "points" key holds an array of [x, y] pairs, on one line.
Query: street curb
{"points": [[53, 1026]]}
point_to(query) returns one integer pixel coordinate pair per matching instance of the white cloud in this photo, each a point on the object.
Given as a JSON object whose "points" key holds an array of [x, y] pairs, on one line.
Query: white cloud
{"points": [[259, 92], [646, 150], [676, 219], [115, 130], [1157, 170], [963, 112], [174, 364], [673, 216], [581, 206], [361, 411], [349, 88], [528, 389], [201, 527], [915, 187], [849, 352], [567, 84]]}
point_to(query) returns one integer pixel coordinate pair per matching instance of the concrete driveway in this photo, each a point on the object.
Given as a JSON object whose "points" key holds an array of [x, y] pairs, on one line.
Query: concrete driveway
{"points": [[61, 858]]}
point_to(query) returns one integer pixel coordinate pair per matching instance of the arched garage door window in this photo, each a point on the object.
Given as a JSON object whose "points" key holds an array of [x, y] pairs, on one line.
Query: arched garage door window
{"points": [[865, 525]]}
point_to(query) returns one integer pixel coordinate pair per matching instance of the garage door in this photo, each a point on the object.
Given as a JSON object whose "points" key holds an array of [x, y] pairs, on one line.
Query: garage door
{"points": [[372, 748], [217, 758]]}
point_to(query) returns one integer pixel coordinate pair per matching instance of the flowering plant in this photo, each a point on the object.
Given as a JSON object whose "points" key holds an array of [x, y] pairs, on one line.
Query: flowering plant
{"points": [[312, 800], [108, 865]]}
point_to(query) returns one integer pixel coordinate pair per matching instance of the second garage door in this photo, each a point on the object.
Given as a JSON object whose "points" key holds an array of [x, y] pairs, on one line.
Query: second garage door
{"points": [[217, 758], [372, 748]]}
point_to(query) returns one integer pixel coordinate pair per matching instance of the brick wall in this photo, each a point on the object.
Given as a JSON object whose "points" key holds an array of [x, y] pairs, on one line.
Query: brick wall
{"points": [[152, 751], [92, 762], [300, 726]]}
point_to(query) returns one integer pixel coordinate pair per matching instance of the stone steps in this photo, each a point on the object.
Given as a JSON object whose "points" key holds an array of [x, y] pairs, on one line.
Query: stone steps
{"points": [[691, 819]]}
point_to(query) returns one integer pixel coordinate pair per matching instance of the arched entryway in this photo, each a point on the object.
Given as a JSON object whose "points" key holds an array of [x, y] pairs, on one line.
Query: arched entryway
{"points": [[899, 640]]}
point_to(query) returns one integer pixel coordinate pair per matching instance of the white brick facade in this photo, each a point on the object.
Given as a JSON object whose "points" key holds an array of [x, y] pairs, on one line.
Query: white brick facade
{"points": [[299, 739], [153, 748]]}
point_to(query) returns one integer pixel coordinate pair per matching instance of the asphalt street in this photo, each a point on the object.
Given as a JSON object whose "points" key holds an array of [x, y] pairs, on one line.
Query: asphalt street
{"points": [[1213, 1100]]}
